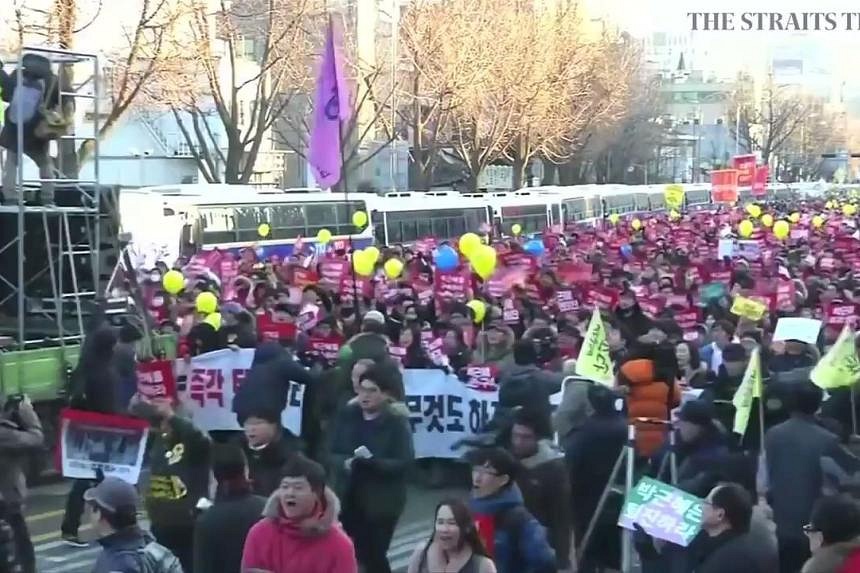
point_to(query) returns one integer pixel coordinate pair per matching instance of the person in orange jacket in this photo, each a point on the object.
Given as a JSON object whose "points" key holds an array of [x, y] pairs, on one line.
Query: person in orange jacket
{"points": [[649, 375]]}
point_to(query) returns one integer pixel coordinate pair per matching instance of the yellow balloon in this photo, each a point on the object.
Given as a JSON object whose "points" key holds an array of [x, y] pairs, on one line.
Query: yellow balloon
{"points": [[214, 320], [818, 221], [794, 217], [264, 229], [468, 243], [674, 215], [849, 210], [479, 308], [516, 229], [324, 237], [754, 210], [359, 219], [363, 263], [484, 261], [636, 224], [781, 229], [829, 205], [767, 220], [614, 218], [393, 268], [745, 228], [173, 282], [373, 253], [206, 303]]}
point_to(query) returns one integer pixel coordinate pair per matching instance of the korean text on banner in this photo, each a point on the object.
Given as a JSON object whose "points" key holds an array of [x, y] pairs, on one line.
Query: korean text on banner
{"points": [[840, 366], [663, 511], [92, 442], [594, 361], [759, 184], [207, 385], [748, 308], [751, 387], [745, 166], [724, 186]]}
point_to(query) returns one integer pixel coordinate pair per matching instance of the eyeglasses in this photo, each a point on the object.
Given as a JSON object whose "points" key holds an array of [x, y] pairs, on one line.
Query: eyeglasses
{"points": [[809, 528]]}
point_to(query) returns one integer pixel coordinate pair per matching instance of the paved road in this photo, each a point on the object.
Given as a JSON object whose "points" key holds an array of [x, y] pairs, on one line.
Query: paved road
{"points": [[45, 512]]}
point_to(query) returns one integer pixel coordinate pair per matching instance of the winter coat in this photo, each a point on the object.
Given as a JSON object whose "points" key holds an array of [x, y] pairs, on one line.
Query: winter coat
{"points": [[374, 486], [528, 386], [545, 485], [317, 544], [125, 362], [220, 532], [711, 554], [17, 439], [179, 474], [702, 461], [95, 380], [632, 323], [575, 408], [835, 558], [794, 451], [120, 551], [9, 132], [266, 387], [501, 355], [519, 541], [648, 398], [265, 465]]}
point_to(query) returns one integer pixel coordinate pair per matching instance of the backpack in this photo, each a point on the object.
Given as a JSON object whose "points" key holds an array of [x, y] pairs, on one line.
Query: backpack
{"points": [[156, 558], [26, 102]]}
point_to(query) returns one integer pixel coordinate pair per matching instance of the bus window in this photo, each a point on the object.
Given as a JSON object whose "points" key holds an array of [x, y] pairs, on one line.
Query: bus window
{"points": [[640, 201], [378, 222], [320, 216], [440, 228], [218, 224], [287, 221], [555, 218]]}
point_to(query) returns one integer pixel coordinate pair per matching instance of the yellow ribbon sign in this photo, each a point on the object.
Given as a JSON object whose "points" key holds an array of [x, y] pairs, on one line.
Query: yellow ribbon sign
{"points": [[674, 196], [751, 387], [594, 361], [839, 367], [748, 308]]}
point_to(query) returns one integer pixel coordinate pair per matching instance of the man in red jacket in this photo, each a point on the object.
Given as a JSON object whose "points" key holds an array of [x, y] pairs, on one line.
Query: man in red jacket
{"points": [[299, 531]]}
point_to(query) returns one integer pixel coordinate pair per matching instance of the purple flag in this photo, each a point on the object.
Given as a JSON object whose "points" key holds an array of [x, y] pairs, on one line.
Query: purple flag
{"points": [[331, 106]]}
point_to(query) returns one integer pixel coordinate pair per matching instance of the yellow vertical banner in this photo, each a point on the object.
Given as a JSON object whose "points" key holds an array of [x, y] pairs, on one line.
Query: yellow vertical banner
{"points": [[839, 367], [751, 387], [594, 361], [673, 195]]}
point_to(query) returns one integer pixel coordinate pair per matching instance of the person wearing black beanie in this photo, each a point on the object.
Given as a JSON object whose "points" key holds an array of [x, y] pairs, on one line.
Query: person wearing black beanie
{"points": [[220, 531], [267, 445]]}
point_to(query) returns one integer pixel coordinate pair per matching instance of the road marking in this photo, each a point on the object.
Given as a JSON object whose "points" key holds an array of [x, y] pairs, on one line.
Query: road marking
{"points": [[55, 535], [45, 515]]}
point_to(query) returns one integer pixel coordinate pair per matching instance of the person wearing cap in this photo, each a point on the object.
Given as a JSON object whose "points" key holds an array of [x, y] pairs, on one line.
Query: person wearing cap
{"points": [[516, 541], [833, 533], [703, 443], [126, 548], [794, 453], [220, 531]]}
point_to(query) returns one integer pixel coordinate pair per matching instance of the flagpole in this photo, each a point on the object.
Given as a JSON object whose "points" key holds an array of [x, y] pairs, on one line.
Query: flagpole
{"points": [[853, 411]]}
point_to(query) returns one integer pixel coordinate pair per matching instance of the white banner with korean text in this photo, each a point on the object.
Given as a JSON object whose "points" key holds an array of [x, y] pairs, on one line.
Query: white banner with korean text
{"points": [[207, 384]]}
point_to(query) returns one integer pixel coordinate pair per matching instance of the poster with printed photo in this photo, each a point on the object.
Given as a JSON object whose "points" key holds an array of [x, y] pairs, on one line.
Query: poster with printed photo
{"points": [[91, 442]]}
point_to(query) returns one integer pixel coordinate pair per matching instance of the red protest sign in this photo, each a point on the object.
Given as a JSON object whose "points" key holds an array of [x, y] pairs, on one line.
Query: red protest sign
{"points": [[269, 329], [745, 166], [571, 272], [841, 314], [759, 184], [332, 271], [326, 347], [724, 186], [451, 285], [303, 277], [481, 377], [565, 301], [155, 379]]}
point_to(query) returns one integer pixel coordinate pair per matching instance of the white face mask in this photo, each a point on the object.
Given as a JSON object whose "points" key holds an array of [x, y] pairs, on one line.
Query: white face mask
{"points": [[157, 301], [155, 277]]}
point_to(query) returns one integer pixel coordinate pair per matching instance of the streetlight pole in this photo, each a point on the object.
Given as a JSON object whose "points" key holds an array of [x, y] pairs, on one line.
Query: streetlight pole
{"points": [[392, 155]]}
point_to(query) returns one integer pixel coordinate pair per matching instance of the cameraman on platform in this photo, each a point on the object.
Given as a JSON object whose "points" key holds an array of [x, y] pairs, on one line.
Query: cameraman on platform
{"points": [[20, 434]]}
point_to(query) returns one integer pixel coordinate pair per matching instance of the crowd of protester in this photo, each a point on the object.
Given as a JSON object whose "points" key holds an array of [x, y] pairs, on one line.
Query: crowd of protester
{"points": [[329, 500]]}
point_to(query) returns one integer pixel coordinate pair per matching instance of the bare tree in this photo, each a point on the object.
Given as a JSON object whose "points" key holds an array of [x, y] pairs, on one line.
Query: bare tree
{"points": [[129, 66], [235, 77], [767, 124]]}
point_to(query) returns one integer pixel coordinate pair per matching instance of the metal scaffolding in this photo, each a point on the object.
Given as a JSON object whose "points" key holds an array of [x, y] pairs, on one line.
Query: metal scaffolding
{"points": [[63, 253]]}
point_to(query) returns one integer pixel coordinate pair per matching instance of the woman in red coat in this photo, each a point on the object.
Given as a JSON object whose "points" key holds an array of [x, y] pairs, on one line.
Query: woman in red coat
{"points": [[834, 536], [649, 377]]}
